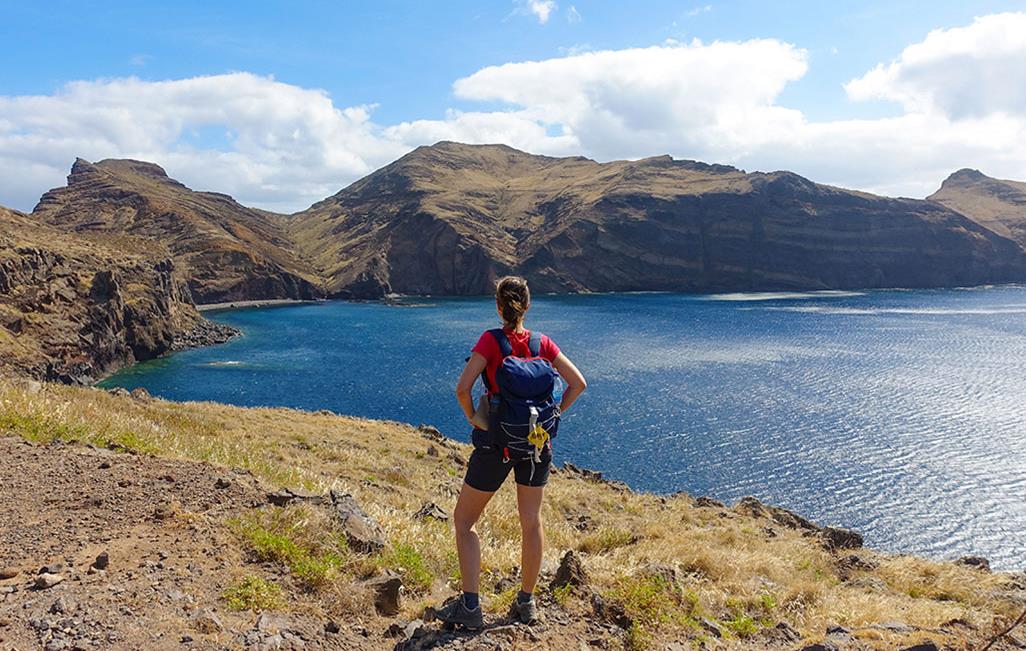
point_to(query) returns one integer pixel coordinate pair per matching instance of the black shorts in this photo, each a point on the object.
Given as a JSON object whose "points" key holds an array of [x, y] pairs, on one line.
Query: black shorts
{"points": [[486, 471]]}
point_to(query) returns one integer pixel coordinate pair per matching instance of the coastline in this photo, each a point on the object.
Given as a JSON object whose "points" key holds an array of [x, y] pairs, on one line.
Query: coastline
{"points": [[267, 302]]}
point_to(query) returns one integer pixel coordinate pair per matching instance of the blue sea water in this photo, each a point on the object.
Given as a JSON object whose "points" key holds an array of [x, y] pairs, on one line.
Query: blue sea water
{"points": [[901, 414]]}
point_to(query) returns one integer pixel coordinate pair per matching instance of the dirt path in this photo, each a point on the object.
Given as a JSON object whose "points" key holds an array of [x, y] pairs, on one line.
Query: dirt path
{"points": [[161, 525]]}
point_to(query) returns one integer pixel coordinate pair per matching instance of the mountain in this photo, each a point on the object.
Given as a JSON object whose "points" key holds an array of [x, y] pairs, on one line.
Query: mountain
{"points": [[108, 269], [225, 251], [74, 307], [449, 218], [994, 203]]}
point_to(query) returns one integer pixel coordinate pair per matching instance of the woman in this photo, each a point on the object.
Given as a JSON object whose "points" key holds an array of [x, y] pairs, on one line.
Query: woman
{"points": [[487, 469]]}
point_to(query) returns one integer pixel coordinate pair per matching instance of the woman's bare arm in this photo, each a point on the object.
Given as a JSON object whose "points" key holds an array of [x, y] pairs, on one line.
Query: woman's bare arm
{"points": [[576, 384], [471, 371]]}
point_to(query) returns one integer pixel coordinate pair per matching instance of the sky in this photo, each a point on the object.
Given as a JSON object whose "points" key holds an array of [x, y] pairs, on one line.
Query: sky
{"points": [[281, 104]]}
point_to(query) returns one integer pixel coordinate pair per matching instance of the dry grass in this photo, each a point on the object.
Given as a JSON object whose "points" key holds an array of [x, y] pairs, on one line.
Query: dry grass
{"points": [[722, 565]]}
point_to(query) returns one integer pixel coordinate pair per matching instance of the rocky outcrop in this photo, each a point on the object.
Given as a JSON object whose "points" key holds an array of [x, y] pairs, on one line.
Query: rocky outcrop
{"points": [[73, 309], [224, 251], [449, 218]]}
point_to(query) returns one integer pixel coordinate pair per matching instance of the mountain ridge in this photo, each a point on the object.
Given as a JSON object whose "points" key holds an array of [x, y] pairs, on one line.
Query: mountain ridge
{"points": [[450, 218]]}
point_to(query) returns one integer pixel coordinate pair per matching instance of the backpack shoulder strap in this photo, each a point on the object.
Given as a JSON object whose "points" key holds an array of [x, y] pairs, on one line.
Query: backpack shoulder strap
{"points": [[534, 344], [505, 348]]}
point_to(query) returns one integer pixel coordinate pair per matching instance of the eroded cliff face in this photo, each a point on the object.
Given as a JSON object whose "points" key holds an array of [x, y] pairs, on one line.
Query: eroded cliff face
{"points": [[448, 219], [225, 251], [73, 309]]}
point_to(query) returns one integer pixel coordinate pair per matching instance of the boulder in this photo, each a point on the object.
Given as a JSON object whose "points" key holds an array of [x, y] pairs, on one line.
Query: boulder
{"points": [[387, 590], [362, 532], [570, 572]]}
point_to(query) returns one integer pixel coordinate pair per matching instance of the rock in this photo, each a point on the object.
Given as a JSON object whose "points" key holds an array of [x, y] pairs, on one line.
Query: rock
{"points": [[46, 581], [387, 591], [52, 568], [286, 496], [704, 502], [583, 473], [102, 561], [782, 632], [431, 510], [835, 630], [838, 538], [846, 565], [895, 627], [205, 620], [926, 645], [332, 627], [59, 607], [222, 483], [185, 639], [753, 507], [119, 391], [432, 451], [570, 572], [139, 393], [975, 562], [362, 532], [8, 573], [825, 645], [710, 627]]}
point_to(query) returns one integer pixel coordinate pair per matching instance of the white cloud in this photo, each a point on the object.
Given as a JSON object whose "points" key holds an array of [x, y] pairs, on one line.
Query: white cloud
{"points": [[540, 9], [697, 11], [718, 102], [572, 15], [964, 72], [290, 146]]}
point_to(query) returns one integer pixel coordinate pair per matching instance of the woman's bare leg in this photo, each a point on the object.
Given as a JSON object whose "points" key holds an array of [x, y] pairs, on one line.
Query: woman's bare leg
{"points": [[529, 501], [469, 506]]}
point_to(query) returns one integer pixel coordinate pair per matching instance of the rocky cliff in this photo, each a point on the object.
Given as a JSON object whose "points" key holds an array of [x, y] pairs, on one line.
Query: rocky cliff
{"points": [[449, 218], [997, 204], [75, 307], [225, 251]]}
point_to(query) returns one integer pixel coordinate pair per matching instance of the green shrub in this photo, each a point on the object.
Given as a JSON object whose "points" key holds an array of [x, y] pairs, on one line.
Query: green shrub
{"points": [[254, 593]]}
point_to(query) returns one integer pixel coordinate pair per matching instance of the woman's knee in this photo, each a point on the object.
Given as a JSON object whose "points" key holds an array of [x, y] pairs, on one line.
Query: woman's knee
{"points": [[463, 521], [530, 523]]}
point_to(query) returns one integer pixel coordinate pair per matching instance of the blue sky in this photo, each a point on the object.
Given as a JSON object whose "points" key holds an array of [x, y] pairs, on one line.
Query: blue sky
{"points": [[398, 62]]}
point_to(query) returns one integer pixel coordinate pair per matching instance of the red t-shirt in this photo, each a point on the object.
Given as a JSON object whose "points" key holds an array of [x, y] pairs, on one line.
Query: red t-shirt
{"points": [[488, 348]]}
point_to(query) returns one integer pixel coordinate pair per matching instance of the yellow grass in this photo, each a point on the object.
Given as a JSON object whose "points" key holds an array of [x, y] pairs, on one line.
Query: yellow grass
{"points": [[724, 567]]}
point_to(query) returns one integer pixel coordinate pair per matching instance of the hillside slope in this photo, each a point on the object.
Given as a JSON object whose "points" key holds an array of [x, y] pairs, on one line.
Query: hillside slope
{"points": [[226, 251], [216, 514], [997, 204], [449, 218], [75, 307]]}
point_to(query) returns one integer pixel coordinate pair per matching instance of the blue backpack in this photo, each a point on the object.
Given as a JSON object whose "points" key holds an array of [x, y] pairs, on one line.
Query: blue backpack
{"points": [[523, 416]]}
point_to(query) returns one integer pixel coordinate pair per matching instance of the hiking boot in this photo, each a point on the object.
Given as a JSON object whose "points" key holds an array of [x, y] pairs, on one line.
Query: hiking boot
{"points": [[524, 612], [455, 612]]}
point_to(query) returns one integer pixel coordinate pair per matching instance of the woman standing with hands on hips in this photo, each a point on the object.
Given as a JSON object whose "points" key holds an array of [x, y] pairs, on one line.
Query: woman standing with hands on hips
{"points": [[512, 432]]}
